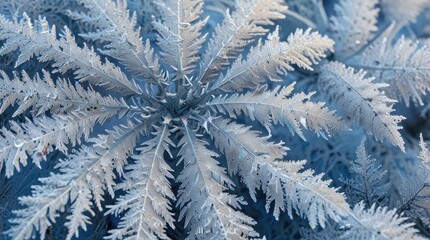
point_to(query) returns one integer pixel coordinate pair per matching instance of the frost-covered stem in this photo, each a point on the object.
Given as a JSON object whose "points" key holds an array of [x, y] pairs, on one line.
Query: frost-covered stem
{"points": [[390, 68], [207, 191], [301, 18], [30, 223], [408, 203], [81, 103], [387, 32], [323, 14], [205, 71], [145, 202], [133, 51], [346, 212], [270, 167], [47, 133]]}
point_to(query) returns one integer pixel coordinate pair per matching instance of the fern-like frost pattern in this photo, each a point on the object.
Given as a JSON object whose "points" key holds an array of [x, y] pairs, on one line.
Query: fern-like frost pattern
{"points": [[172, 121]]}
